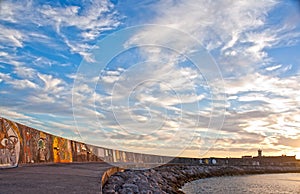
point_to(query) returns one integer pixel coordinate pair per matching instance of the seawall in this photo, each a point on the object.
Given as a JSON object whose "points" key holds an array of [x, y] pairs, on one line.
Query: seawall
{"points": [[37, 153], [20, 144], [170, 178]]}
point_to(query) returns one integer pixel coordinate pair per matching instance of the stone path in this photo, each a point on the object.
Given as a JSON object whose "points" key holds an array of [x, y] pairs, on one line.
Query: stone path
{"points": [[53, 178]]}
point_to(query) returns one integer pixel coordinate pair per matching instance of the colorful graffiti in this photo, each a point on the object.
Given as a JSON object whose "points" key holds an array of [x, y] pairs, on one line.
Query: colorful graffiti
{"points": [[79, 151], [62, 151], [31, 136], [44, 147], [9, 144], [22, 144], [96, 153], [36, 147]]}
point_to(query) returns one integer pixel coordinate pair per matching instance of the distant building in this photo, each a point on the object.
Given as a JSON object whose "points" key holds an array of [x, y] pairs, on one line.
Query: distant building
{"points": [[252, 161], [259, 153], [276, 160]]}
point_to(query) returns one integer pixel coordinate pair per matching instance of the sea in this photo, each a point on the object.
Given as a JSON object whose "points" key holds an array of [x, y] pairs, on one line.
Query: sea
{"points": [[254, 184]]}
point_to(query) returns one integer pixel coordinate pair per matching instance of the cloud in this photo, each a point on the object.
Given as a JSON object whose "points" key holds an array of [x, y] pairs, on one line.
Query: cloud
{"points": [[291, 142], [51, 84], [235, 32], [89, 21], [164, 101], [272, 68], [11, 37], [225, 30], [92, 19], [36, 38], [17, 83], [12, 113], [23, 84], [25, 72], [218, 24]]}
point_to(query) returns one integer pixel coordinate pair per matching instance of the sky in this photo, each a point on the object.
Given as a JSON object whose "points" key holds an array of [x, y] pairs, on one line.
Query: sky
{"points": [[183, 78]]}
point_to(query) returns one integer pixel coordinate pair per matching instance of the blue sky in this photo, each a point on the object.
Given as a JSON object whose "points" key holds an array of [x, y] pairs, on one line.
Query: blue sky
{"points": [[191, 78]]}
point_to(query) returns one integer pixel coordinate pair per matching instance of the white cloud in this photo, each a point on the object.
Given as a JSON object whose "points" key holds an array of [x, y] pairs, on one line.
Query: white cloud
{"points": [[11, 37], [90, 21], [235, 31], [5, 76], [220, 25], [272, 68], [51, 84], [18, 83], [25, 72], [41, 98], [214, 21], [9, 113], [23, 84]]}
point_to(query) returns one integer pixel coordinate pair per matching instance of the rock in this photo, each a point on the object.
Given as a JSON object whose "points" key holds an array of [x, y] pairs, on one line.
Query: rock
{"points": [[134, 188], [126, 191], [168, 179], [146, 192], [109, 191]]}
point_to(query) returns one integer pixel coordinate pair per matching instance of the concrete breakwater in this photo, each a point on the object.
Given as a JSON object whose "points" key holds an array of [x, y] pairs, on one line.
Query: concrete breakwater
{"points": [[20, 144], [170, 178]]}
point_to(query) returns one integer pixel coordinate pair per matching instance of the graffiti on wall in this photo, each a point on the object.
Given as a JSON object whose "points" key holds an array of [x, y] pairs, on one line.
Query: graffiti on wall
{"points": [[100, 153], [37, 145], [44, 147], [22, 144], [30, 137], [9, 144], [79, 151], [92, 153], [108, 155], [62, 150]]}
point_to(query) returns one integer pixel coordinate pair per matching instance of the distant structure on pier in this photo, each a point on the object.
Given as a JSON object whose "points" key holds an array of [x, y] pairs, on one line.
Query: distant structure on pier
{"points": [[258, 160], [259, 153]]}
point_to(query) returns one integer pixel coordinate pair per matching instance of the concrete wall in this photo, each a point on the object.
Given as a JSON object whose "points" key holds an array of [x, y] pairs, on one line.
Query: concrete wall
{"points": [[253, 161], [10, 144], [20, 144]]}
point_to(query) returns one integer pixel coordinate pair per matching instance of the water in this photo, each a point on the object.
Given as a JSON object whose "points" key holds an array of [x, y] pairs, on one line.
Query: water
{"points": [[256, 184]]}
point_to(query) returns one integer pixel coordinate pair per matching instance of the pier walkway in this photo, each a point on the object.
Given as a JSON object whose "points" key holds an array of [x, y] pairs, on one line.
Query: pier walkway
{"points": [[53, 178]]}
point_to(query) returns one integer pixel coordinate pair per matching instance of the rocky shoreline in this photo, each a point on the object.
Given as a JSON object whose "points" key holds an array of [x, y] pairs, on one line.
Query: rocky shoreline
{"points": [[170, 178]]}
